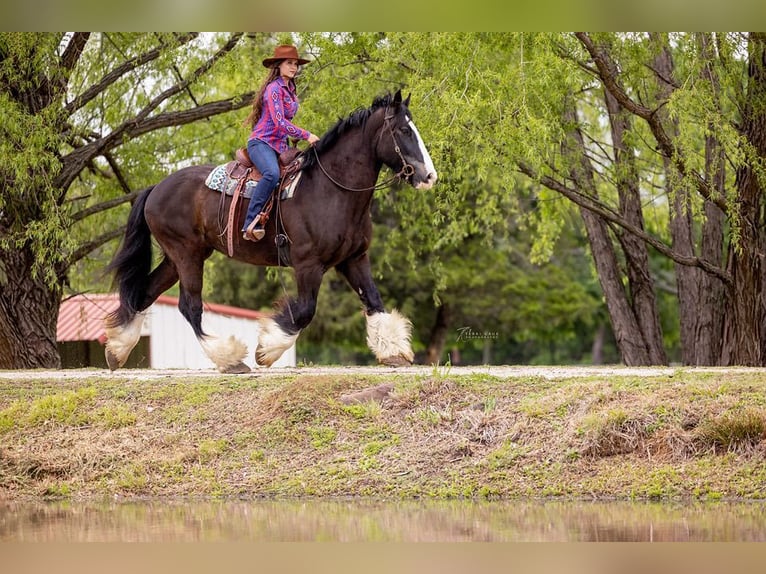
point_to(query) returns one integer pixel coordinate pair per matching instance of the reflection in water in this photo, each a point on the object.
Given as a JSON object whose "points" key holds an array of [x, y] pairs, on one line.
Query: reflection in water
{"points": [[385, 521]]}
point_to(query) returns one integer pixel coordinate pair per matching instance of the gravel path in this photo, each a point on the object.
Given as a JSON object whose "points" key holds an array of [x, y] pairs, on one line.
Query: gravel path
{"points": [[503, 371]]}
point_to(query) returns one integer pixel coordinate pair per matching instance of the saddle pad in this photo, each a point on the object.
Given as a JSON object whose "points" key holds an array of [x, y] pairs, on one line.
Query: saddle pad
{"points": [[219, 180], [289, 188]]}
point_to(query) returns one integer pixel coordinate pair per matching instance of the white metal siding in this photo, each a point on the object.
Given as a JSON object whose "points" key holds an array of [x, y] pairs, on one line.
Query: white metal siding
{"points": [[174, 346]]}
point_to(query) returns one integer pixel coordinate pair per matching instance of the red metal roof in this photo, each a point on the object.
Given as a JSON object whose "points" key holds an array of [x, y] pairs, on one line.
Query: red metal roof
{"points": [[81, 318]]}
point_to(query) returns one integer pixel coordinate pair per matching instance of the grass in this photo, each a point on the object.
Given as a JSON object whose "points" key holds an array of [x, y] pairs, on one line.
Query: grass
{"points": [[734, 431], [437, 435]]}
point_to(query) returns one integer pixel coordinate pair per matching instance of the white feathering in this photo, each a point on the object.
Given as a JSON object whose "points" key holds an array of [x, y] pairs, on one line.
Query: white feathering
{"points": [[388, 335], [272, 342], [122, 338], [224, 353]]}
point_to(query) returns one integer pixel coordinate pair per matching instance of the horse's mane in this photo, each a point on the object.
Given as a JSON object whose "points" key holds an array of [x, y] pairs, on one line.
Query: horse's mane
{"points": [[356, 119]]}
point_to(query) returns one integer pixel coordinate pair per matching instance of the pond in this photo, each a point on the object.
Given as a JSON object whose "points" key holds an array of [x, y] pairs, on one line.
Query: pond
{"points": [[380, 521]]}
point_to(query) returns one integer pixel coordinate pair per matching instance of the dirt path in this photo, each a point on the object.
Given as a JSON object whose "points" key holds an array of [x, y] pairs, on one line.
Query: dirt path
{"points": [[501, 371]]}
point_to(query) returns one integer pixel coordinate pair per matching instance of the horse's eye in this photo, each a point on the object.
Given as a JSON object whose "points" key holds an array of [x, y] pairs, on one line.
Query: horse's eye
{"points": [[406, 130]]}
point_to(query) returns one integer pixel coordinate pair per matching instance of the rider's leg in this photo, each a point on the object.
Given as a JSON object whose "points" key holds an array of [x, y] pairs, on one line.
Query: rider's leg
{"points": [[265, 159]]}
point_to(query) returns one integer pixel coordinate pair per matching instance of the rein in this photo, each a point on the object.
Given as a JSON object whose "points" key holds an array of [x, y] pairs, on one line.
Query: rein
{"points": [[406, 171]]}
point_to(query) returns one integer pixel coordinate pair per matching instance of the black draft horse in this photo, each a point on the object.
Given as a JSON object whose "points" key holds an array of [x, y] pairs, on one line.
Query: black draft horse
{"points": [[327, 222]]}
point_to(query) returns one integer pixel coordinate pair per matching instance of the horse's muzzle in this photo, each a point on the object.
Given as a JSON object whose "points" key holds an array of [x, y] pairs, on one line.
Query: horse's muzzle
{"points": [[426, 183]]}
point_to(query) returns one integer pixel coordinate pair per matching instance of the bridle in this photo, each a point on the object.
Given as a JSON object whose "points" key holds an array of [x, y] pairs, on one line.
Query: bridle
{"points": [[406, 171]]}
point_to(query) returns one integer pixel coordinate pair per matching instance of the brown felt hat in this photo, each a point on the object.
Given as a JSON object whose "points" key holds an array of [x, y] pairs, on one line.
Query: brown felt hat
{"points": [[285, 52]]}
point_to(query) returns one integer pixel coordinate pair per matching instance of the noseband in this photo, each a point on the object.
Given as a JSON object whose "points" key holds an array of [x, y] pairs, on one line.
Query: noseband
{"points": [[406, 171]]}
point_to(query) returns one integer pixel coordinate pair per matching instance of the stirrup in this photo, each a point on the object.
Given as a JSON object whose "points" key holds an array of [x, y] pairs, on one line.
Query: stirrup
{"points": [[252, 233]]}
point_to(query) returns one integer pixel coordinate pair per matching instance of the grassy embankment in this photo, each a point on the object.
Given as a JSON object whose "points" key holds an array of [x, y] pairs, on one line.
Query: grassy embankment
{"points": [[689, 434]]}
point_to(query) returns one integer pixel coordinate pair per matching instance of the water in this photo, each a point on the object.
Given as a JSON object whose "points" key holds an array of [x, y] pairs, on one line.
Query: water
{"points": [[375, 521]]}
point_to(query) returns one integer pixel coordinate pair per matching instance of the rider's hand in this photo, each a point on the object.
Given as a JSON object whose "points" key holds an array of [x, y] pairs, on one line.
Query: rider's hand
{"points": [[312, 139]]}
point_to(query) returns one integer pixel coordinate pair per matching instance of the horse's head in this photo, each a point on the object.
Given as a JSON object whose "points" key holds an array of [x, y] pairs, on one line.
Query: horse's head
{"points": [[401, 147]]}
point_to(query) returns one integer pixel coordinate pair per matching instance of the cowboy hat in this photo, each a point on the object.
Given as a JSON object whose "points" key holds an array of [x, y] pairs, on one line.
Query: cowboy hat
{"points": [[285, 52]]}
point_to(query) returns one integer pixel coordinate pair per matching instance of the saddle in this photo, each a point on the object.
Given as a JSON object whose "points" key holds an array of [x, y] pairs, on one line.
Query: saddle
{"points": [[243, 171], [241, 166]]}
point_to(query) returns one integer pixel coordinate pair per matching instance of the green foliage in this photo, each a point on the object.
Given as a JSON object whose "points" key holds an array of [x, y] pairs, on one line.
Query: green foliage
{"points": [[30, 206], [66, 408], [504, 253], [115, 416], [71, 408], [322, 437], [209, 449]]}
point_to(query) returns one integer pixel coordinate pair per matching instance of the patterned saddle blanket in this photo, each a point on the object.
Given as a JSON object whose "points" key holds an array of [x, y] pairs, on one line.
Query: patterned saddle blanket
{"points": [[226, 178], [221, 180]]}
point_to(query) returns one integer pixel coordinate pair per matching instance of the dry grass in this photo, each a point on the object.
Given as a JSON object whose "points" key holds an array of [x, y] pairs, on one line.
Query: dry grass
{"points": [[436, 436]]}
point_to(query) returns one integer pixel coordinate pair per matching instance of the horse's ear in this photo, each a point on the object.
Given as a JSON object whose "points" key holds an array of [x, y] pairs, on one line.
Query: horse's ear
{"points": [[398, 97], [407, 101]]}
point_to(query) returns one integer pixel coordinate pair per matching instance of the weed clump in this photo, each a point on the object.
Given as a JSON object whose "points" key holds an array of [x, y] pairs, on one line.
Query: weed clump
{"points": [[613, 432], [733, 431]]}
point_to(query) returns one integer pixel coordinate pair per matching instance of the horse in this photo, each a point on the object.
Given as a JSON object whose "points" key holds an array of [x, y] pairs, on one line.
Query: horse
{"points": [[327, 224]]}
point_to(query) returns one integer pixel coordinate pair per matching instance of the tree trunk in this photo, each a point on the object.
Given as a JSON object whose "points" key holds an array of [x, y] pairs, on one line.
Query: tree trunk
{"points": [[681, 224], [687, 278], [486, 352], [709, 324], [597, 350], [709, 312], [743, 330], [624, 324], [29, 311], [640, 283], [627, 331], [438, 337]]}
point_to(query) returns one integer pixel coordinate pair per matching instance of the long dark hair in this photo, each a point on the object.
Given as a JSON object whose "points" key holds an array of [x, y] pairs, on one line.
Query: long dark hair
{"points": [[255, 112]]}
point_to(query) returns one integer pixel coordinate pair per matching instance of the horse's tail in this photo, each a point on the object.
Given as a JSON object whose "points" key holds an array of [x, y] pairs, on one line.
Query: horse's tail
{"points": [[132, 263]]}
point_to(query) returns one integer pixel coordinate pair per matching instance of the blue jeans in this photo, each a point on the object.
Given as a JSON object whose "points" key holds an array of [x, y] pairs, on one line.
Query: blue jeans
{"points": [[265, 159]]}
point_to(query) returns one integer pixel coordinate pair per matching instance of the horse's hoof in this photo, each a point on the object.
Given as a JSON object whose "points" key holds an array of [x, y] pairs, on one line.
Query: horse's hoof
{"points": [[111, 360], [264, 359], [238, 369], [396, 361]]}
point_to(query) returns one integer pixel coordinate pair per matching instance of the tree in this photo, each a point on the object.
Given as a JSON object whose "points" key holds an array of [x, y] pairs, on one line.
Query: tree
{"points": [[687, 130], [78, 118]]}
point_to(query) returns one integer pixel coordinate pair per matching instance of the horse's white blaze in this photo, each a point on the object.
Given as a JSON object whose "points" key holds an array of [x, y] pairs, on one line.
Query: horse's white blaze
{"points": [[224, 353], [427, 161], [122, 338], [388, 335], [272, 342]]}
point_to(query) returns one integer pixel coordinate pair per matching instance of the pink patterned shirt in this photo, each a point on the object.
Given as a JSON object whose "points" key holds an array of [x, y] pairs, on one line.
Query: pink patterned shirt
{"points": [[280, 104]]}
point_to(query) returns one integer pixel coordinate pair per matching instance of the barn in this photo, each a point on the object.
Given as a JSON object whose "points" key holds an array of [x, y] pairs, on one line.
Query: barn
{"points": [[167, 340]]}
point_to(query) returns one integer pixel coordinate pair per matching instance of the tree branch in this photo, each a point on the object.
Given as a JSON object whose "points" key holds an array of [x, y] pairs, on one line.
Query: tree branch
{"points": [[105, 205], [87, 248], [183, 117], [117, 172], [119, 72], [604, 212], [119, 132], [74, 50], [142, 123], [607, 73]]}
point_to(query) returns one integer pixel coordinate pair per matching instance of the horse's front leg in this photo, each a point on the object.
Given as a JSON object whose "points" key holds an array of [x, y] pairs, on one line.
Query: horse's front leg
{"points": [[280, 331], [388, 334]]}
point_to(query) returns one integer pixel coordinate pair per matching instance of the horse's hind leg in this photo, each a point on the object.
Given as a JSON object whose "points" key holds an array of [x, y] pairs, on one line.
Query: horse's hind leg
{"points": [[388, 334], [226, 354], [123, 327]]}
